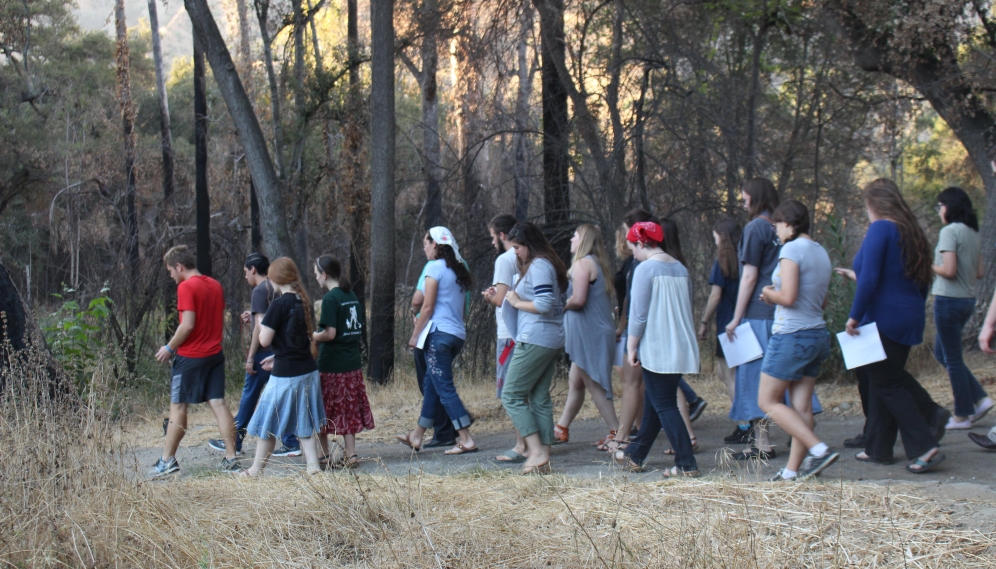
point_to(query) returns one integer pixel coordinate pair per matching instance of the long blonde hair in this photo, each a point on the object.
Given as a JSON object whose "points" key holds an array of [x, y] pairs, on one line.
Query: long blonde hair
{"points": [[590, 243]]}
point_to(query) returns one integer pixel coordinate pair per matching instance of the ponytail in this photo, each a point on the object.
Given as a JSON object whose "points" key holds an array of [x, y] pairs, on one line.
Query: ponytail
{"points": [[333, 268], [463, 277]]}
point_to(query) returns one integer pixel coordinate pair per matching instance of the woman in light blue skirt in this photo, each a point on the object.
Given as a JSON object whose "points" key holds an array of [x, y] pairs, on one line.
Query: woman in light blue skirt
{"points": [[292, 399]]}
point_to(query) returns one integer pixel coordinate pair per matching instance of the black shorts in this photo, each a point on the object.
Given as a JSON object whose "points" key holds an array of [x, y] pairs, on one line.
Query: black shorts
{"points": [[197, 380], [719, 349]]}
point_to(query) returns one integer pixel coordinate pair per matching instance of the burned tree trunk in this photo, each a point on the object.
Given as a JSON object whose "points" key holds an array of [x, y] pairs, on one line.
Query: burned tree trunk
{"points": [[274, 224], [556, 127], [166, 143], [202, 198], [128, 124], [382, 228]]}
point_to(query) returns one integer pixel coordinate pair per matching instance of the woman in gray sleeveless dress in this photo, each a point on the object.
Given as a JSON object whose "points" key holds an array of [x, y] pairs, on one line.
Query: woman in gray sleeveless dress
{"points": [[589, 331]]}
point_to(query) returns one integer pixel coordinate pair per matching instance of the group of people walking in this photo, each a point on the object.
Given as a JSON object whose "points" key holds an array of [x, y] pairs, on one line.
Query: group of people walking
{"points": [[304, 381], [771, 276]]}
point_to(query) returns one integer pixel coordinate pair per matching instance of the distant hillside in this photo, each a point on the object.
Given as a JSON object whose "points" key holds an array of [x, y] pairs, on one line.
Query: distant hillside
{"points": [[173, 21]]}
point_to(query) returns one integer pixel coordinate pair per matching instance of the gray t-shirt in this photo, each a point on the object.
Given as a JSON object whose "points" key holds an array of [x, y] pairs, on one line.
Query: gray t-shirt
{"points": [[964, 242], [505, 270], [262, 295], [815, 270], [759, 247]]}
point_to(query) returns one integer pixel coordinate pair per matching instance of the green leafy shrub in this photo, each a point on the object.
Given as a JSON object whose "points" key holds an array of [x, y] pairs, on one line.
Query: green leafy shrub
{"points": [[73, 332]]}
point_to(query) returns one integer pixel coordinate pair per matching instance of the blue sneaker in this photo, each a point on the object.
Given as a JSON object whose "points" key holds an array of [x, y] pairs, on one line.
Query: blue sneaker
{"points": [[164, 467], [286, 451], [219, 444]]}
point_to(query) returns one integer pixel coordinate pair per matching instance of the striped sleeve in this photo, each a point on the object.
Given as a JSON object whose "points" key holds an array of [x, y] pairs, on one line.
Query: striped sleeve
{"points": [[543, 279]]}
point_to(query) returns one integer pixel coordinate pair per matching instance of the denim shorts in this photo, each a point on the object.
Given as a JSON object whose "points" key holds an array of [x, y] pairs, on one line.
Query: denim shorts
{"points": [[795, 355]]}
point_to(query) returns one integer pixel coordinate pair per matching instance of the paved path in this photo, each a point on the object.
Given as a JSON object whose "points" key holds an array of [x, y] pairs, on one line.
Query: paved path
{"points": [[966, 462]]}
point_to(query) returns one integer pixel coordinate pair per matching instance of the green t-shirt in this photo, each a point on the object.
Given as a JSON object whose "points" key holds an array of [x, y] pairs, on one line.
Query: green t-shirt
{"points": [[341, 310], [965, 243]]}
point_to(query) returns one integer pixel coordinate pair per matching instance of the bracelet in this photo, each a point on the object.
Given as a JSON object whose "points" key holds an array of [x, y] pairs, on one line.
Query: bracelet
{"points": [[169, 349]]}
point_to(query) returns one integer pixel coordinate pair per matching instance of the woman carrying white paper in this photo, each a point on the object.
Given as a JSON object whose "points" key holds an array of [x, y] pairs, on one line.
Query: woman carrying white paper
{"points": [[799, 341], [893, 271]]}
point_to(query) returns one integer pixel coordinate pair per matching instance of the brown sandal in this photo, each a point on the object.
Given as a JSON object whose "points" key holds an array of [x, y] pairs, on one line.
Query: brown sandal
{"points": [[674, 472], [614, 445], [600, 444], [620, 458], [407, 441], [544, 468]]}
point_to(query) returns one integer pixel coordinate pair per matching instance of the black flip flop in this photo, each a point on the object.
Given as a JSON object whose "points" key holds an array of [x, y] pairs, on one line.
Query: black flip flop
{"points": [[926, 466], [886, 462]]}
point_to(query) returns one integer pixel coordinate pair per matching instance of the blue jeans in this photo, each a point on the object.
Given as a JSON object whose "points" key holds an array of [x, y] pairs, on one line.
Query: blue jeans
{"points": [[690, 394], [441, 349], [442, 430], [255, 382], [950, 316], [660, 410]]}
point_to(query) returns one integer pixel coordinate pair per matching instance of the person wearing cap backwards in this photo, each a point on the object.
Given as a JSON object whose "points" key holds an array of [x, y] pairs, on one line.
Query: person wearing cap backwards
{"points": [[661, 339], [446, 282]]}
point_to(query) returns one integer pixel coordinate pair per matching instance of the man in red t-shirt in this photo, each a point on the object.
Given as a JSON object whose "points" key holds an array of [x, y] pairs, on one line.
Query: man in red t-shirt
{"points": [[198, 372]]}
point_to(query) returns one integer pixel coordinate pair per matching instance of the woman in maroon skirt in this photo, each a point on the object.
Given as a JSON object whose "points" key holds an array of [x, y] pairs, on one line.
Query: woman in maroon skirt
{"points": [[339, 361]]}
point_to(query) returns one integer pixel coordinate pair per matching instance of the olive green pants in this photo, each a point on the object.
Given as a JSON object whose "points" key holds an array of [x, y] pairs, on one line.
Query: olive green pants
{"points": [[526, 395]]}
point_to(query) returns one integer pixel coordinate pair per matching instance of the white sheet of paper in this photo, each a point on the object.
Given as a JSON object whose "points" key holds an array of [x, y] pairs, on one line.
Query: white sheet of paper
{"points": [[510, 315], [863, 349], [744, 349], [425, 334]]}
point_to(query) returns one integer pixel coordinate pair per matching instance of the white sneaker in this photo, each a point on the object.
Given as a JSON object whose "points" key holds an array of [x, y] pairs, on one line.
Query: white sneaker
{"points": [[956, 425], [992, 434], [981, 409]]}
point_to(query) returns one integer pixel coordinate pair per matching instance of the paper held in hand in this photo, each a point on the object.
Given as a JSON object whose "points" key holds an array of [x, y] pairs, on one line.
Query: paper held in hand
{"points": [[420, 344], [863, 349], [744, 349]]}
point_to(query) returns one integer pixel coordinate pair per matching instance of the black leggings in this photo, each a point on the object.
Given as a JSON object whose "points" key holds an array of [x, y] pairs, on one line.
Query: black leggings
{"points": [[895, 403]]}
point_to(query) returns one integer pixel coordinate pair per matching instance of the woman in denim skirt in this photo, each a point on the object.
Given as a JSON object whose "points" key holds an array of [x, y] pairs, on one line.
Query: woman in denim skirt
{"points": [[291, 402], [799, 341]]}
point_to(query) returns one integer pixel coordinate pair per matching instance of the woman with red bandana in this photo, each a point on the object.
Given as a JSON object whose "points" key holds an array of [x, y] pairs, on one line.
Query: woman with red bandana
{"points": [[662, 340]]}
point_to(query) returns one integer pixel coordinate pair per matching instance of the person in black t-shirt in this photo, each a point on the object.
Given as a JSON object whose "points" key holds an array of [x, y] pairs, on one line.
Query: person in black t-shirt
{"points": [[292, 400], [263, 292]]}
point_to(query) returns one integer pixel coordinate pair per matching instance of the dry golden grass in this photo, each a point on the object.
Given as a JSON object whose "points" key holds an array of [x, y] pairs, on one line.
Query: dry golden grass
{"points": [[67, 498]]}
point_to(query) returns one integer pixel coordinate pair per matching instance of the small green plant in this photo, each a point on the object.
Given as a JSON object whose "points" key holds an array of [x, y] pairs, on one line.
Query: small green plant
{"points": [[73, 331]]}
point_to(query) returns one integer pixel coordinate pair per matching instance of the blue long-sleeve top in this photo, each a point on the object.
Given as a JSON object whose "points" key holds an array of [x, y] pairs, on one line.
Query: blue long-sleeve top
{"points": [[885, 294]]}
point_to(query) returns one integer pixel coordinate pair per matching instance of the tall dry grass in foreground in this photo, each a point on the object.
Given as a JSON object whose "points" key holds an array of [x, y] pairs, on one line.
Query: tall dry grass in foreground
{"points": [[67, 499]]}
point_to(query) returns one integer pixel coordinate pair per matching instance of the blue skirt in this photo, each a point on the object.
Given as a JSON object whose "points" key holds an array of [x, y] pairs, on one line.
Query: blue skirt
{"points": [[289, 405]]}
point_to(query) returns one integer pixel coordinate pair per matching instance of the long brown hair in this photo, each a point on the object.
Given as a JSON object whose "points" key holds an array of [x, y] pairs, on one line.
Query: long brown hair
{"points": [[882, 196], [672, 241], [527, 234], [284, 272], [729, 240], [763, 196], [590, 243]]}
